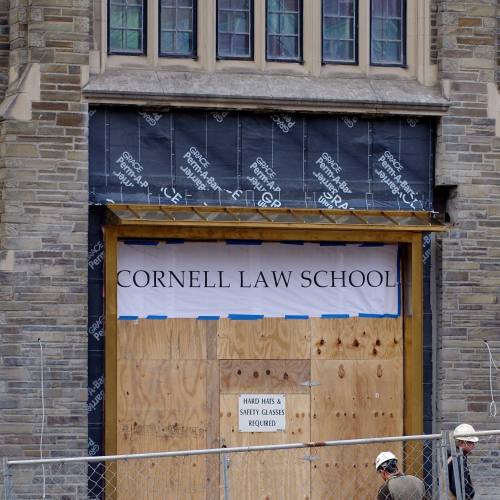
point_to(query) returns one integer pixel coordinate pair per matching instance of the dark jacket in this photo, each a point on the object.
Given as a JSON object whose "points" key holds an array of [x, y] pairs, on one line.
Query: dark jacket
{"points": [[468, 493]]}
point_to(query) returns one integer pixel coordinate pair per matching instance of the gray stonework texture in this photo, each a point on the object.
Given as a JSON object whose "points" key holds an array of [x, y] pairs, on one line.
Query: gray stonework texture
{"points": [[43, 238], [468, 257]]}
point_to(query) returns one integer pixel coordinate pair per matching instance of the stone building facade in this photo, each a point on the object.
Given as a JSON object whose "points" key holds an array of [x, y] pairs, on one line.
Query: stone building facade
{"points": [[53, 66]]}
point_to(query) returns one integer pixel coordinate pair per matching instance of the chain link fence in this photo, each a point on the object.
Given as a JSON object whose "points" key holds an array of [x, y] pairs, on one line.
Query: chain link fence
{"points": [[308, 471]]}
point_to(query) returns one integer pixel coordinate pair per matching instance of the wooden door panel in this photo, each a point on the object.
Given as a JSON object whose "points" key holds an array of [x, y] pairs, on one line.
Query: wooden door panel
{"points": [[265, 376], [356, 338], [268, 338], [274, 474]]}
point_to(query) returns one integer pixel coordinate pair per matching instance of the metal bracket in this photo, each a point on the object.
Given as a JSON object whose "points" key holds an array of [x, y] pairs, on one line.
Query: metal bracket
{"points": [[309, 383], [311, 458]]}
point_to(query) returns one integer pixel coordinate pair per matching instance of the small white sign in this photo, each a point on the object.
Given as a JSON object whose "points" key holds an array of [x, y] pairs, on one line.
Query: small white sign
{"points": [[261, 413]]}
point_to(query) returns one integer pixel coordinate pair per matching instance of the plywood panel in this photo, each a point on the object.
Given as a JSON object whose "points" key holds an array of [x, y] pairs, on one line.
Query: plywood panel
{"points": [[265, 376], [162, 339], [269, 338], [161, 405], [356, 338], [271, 474], [354, 399]]}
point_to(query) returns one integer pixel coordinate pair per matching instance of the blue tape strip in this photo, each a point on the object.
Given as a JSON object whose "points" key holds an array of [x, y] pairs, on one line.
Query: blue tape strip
{"points": [[334, 316], [174, 241], [332, 244], [372, 245], [292, 242], [141, 242], [208, 318], [153, 316], [246, 316], [128, 318], [296, 316], [243, 242]]}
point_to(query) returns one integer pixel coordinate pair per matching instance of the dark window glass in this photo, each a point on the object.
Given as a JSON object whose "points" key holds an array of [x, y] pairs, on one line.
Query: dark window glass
{"points": [[126, 27], [339, 31], [234, 29], [284, 27], [388, 32], [177, 28]]}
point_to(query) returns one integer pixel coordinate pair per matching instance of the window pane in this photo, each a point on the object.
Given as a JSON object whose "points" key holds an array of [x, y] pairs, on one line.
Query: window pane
{"points": [[168, 19], [223, 22], [134, 17], [330, 7], [289, 24], [292, 5], [394, 8], [117, 17], [274, 5], [273, 23], [116, 39], [378, 6], [167, 41], [393, 29], [240, 23], [133, 40], [184, 19], [185, 3], [346, 7], [392, 51], [224, 45], [183, 42]]}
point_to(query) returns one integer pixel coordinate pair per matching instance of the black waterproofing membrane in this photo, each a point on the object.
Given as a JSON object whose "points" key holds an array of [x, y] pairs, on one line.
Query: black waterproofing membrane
{"points": [[191, 157]]}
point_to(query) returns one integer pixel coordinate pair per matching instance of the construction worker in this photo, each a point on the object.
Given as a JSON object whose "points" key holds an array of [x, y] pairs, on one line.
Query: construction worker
{"points": [[458, 468], [397, 486]]}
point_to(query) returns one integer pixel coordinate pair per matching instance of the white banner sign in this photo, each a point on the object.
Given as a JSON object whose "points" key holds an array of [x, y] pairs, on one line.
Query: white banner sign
{"points": [[217, 279], [261, 413]]}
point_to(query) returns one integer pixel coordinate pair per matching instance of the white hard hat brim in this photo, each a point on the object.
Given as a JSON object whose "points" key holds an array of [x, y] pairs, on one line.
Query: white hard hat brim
{"points": [[469, 439]]}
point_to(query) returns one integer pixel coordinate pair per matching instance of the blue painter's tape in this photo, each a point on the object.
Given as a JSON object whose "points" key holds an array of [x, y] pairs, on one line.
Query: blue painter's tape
{"points": [[332, 244], [369, 315], [292, 242], [296, 316], [243, 242], [128, 318], [372, 245], [246, 316], [141, 242], [153, 316], [334, 316], [174, 241], [208, 318]]}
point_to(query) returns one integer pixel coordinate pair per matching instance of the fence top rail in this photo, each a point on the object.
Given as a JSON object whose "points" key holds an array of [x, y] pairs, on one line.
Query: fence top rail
{"points": [[240, 449]]}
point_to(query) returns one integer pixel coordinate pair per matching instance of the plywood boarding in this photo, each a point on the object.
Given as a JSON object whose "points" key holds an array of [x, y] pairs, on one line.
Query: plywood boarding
{"points": [[356, 338], [354, 398], [265, 376], [268, 475], [162, 339], [163, 381], [269, 338]]}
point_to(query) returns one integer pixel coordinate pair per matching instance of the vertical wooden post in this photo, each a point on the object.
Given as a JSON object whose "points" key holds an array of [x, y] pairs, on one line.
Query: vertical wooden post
{"points": [[110, 336], [413, 369]]}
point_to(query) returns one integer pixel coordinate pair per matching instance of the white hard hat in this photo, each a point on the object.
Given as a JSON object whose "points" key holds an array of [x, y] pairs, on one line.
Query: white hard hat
{"points": [[461, 432], [384, 457]]}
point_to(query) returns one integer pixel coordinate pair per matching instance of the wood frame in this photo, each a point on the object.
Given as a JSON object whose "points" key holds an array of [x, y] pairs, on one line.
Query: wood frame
{"points": [[413, 312]]}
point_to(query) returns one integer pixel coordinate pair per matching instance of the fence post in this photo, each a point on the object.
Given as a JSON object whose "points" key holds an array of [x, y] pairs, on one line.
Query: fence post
{"points": [[225, 475], [456, 458], [7, 481], [443, 461]]}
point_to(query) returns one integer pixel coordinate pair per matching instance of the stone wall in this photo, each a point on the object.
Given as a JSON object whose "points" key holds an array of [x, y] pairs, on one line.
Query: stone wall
{"points": [[43, 235], [469, 273]]}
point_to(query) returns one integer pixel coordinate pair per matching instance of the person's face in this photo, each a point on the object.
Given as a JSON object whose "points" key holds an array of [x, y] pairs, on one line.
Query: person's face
{"points": [[383, 474], [466, 446]]}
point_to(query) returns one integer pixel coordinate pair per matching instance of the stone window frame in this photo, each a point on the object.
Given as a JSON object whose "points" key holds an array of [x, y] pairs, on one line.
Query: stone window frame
{"points": [[418, 65]]}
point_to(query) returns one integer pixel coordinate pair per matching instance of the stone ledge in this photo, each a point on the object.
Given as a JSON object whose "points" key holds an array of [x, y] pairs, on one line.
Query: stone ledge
{"points": [[270, 92]]}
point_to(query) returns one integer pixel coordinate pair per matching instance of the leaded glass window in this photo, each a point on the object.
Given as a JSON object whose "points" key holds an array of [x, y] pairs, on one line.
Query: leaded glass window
{"points": [[339, 31], [178, 28], [234, 29], [126, 27], [388, 32], [284, 30]]}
